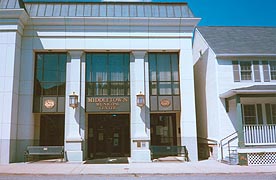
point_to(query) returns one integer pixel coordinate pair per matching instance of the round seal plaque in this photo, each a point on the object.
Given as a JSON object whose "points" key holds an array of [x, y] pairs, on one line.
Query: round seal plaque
{"points": [[165, 102], [49, 103]]}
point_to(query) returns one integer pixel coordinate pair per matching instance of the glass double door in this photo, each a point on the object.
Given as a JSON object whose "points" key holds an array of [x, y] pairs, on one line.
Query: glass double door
{"points": [[108, 136]]}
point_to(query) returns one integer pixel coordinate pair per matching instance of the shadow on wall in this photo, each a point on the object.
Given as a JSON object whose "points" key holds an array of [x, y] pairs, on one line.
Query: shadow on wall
{"points": [[200, 75]]}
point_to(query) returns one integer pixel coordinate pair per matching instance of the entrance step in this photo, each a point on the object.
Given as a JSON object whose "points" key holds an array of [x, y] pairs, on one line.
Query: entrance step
{"points": [[108, 160], [170, 159]]}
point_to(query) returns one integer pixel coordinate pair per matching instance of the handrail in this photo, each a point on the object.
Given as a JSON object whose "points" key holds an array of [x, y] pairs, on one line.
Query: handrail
{"points": [[211, 140], [221, 145], [228, 136], [228, 143]]}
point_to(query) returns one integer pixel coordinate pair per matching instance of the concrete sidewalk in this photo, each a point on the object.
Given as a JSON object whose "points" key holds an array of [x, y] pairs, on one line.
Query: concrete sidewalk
{"points": [[157, 168]]}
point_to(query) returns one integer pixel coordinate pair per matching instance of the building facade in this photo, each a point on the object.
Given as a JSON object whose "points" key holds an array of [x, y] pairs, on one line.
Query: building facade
{"points": [[105, 53], [235, 92]]}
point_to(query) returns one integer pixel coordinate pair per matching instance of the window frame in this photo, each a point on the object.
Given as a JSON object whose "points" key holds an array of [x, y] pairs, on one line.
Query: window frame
{"points": [[249, 116], [270, 70], [157, 83], [245, 71], [108, 83], [59, 88]]}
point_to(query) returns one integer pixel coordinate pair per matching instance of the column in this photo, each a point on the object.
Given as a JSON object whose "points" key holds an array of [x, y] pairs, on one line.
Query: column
{"points": [[73, 139], [239, 121], [11, 31], [188, 113], [140, 126]]}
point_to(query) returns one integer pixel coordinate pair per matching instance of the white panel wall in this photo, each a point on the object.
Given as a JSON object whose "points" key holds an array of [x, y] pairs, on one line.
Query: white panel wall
{"points": [[10, 43]]}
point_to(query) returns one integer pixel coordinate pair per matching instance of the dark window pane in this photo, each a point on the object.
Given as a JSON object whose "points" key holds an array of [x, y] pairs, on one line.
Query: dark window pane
{"points": [[153, 88], [164, 73], [117, 89], [49, 88], [176, 89], [50, 75], [246, 71], [101, 89], [110, 74], [165, 88], [164, 67], [272, 65], [174, 62], [249, 114], [273, 112], [99, 67], [152, 67], [61, 89], [116, 62]]}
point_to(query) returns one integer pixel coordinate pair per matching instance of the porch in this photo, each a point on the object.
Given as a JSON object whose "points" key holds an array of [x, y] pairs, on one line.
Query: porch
{"points": [[259, 135], [252, 111]]}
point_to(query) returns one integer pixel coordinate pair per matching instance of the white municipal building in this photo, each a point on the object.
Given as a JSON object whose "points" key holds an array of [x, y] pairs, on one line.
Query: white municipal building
{"points": [[129, 64]]}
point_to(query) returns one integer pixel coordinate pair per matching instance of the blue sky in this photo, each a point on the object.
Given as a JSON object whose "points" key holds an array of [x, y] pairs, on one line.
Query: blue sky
{"points": [[234, 12]]}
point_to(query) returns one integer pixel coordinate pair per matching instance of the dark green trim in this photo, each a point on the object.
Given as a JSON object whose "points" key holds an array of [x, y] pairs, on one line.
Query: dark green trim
{"points": [[257, 95], [239, 122]]}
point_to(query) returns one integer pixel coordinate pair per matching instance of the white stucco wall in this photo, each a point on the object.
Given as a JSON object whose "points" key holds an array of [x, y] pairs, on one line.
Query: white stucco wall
{"points": [[10, 46], [206, 89]]}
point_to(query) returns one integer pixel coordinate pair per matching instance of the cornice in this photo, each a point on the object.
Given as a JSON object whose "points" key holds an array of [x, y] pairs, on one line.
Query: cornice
{"points": [[13, 20]]}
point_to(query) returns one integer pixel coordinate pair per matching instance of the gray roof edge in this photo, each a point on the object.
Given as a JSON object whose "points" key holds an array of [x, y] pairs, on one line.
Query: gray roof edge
{"points": [[249, 90], [245, 55]]}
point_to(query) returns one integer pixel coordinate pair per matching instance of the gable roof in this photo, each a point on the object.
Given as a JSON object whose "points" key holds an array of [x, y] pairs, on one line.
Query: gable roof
{"points": [[240, 40]]}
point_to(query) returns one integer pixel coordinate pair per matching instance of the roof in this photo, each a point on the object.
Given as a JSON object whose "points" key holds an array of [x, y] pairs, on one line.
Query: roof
{"points": [[255, 89], [92, 8], [240, 40], [11, 4]]}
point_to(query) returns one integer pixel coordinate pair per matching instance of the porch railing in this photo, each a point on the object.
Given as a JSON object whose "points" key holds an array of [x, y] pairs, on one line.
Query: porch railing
{"points": [[260, 134]]}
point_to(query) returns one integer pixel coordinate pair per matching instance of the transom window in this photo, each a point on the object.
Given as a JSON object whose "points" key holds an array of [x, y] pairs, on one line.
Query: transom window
{"points": [[107, 74], [50, 74], [272, 65], [164, 74], [246, 71]]}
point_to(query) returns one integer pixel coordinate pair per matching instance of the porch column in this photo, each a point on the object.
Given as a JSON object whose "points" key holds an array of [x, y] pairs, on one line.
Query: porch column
{"points": [[239, 122], [73, 140], [140, 123]]}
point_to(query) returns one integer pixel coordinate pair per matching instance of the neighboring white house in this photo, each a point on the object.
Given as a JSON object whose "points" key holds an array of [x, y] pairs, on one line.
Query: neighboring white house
{"points": [[235, 83], [106, 53]]}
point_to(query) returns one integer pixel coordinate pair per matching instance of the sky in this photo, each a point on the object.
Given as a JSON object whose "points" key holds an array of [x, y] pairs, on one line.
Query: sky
{"points": [[234, 12]]}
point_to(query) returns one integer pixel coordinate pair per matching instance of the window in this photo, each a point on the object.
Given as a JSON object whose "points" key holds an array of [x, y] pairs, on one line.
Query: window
{"points": [[164, 74], [249, 114], [163, 129], [107, 74], [50, 74], [245, 70], [272, 67], [271, 113]]}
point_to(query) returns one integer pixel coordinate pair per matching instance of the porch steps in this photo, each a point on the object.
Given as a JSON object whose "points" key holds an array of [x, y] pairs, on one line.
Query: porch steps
{"points": [[232, 156]]}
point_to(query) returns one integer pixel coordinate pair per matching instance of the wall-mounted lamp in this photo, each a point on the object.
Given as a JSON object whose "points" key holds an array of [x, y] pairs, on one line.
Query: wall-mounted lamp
{"points": [[140, 99], [73, 100]]}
